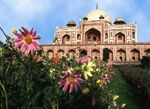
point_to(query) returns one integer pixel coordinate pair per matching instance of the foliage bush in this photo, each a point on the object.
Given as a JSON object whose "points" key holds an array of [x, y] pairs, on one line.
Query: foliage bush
{"points": [[139, 79], [126, 93], [145, 61]]}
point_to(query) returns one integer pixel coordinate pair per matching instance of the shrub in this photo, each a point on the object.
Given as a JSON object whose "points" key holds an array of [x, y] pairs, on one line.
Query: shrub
{"points": [[138, 78], [145, 61]]}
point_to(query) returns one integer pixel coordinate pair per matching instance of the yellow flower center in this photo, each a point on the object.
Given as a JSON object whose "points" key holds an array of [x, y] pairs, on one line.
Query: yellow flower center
{"points": [[28, 39], [70, 80]]}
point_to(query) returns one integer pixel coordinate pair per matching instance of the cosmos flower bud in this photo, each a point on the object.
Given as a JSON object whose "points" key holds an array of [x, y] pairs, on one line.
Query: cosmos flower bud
{"points": [[123, 105], [14, 30], [85, 90], [115, 97]]}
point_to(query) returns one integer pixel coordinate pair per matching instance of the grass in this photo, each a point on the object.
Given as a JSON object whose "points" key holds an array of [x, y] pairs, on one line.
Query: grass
{"points": [[126, 93]]}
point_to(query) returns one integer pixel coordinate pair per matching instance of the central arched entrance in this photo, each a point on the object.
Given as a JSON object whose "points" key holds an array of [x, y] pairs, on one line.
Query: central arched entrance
{"points": [[107, 54], [93, 36]]}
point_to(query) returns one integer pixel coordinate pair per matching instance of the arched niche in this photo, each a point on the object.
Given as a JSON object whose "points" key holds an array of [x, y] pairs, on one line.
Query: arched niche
{"points": [[83, 52], [71, 52], [147, 52], [135, 55], [121, 55], [50, 53], [60, 53], [107, 54], [95, 54]]}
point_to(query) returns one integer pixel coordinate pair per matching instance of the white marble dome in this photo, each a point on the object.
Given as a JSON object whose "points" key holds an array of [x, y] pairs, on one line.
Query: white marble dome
{"points": [[96, 13], [119, 19]]}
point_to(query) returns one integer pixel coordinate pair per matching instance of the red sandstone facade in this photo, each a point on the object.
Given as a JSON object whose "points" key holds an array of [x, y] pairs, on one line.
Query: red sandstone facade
{"points": [[98, 37]]}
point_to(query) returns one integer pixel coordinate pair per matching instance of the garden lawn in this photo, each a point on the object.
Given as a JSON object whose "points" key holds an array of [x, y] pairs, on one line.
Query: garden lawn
{"points": [[126, 94]]}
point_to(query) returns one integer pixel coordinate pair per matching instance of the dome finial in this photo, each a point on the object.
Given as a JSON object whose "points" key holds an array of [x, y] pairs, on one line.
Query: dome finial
{"points": [[96, 6]]}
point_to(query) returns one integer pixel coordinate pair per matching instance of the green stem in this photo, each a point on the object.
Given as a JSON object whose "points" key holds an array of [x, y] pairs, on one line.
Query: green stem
{"points": [[75, 101], [6, 101], [3, 32], [57, 105], [7, 68]]}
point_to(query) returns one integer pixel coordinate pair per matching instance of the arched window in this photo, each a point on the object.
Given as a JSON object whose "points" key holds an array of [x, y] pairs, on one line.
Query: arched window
{"points": [[78, 37], [119, 38], [106, 35], [66, 39], [133, 35], [128, 33]]}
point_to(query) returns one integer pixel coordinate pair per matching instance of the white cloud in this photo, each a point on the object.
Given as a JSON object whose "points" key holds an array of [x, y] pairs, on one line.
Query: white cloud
{"points": [[21, 12], [30, 8]]}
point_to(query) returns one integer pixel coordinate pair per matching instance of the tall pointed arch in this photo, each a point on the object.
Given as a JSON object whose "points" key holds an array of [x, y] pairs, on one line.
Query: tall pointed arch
{"points": [[93, 36]]}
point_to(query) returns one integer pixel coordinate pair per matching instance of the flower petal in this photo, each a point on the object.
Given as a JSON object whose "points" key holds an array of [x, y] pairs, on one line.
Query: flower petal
{"points": [[25, 30], [85, 75], [17, 40], [71, 88], [18, 44], [75, 87], [65, 87], [18, 34]]}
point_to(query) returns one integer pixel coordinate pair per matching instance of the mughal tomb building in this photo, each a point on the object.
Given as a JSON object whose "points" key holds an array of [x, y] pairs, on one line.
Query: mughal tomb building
{"points": [[97, 36]]}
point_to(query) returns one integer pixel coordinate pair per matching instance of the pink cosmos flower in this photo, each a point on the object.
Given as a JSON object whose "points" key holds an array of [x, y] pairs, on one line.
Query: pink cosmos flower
{"points": [[107, 77], [110, 75], [70, 81], [110, 63], [85, 59], [26, 40]]}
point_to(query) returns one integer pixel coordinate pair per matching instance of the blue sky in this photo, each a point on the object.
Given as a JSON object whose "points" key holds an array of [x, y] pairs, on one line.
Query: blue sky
{"points": [[45, 15]]}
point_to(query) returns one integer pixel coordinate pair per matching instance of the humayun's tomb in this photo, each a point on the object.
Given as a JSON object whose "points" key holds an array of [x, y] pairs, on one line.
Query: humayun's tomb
{"points": [[98, 37]]}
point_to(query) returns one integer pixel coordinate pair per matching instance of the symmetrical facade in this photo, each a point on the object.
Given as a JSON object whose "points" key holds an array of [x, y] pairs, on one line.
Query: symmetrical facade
{"points": [[98, 37]]}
